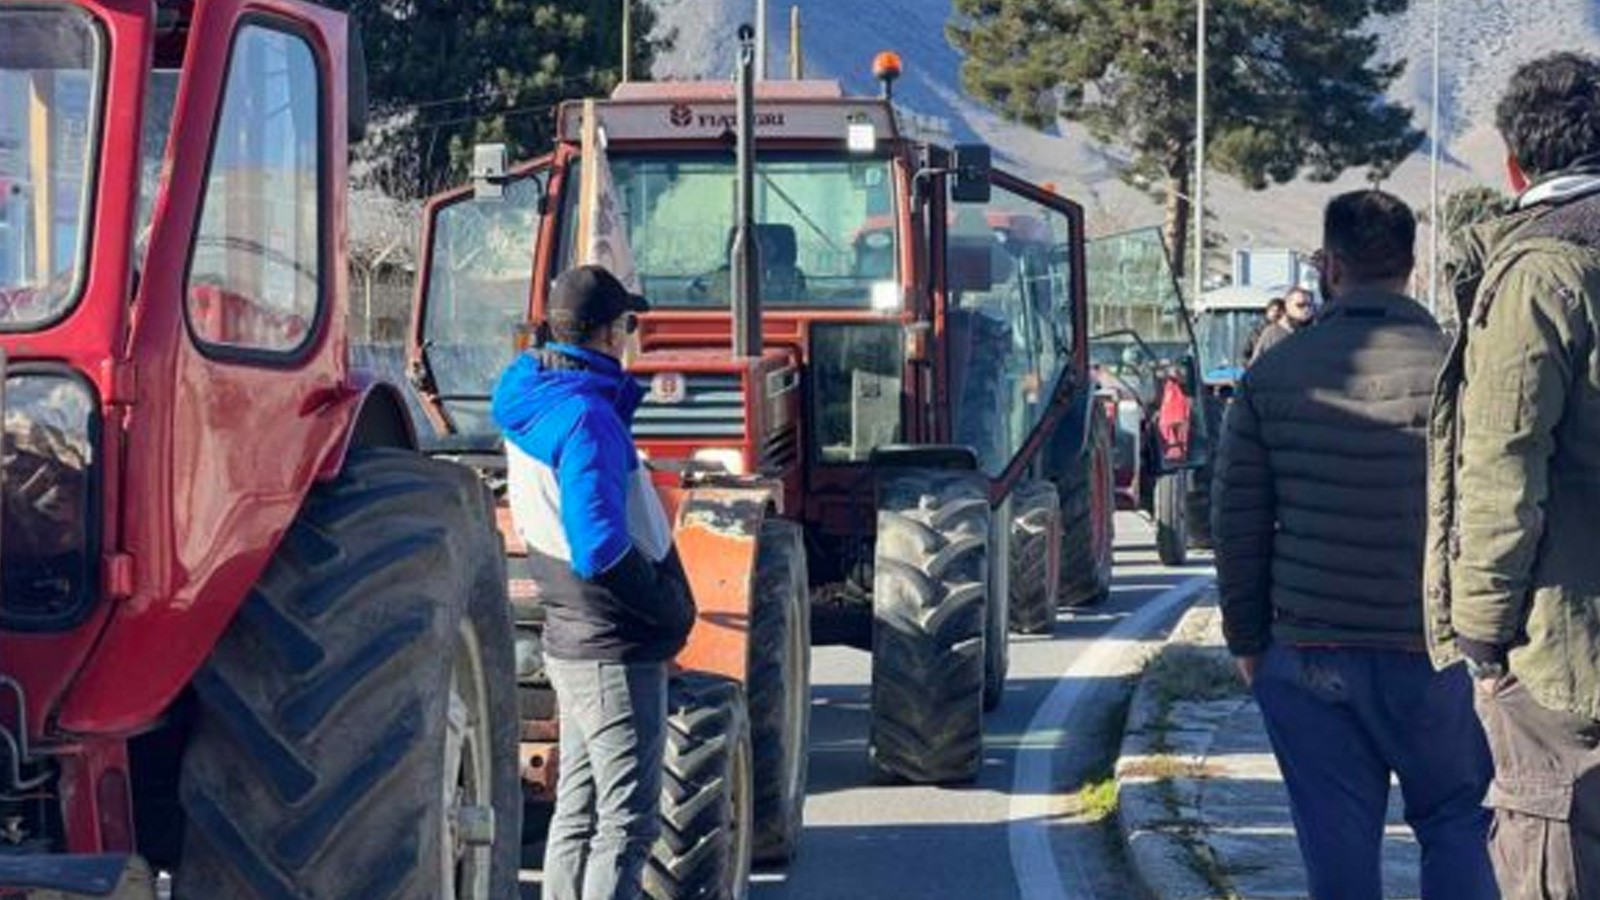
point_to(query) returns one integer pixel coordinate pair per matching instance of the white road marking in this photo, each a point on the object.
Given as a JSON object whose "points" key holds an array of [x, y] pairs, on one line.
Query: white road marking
{"points": [[1033, 788]]}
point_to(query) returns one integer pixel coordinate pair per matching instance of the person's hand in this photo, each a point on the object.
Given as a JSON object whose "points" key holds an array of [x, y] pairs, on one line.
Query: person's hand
{"points": [[1489, 687], [1247, 668]]}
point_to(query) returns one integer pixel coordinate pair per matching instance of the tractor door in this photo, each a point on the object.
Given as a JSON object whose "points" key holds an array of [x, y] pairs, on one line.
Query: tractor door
{"points": [[235, 374], [480, 255], [1014, 322]]}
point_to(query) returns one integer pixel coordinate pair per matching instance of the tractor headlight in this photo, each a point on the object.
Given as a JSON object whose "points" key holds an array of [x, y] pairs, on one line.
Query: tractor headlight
{"points": [[728, 459]]}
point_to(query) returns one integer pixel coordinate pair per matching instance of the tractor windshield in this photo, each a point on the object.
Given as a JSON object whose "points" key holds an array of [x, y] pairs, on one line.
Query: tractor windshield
{"points": [[825, 223], [1222, 336], [50, 62]]}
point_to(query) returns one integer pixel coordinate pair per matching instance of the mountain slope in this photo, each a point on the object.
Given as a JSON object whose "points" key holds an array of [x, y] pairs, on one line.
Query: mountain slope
{"points": [[1482, 43]]}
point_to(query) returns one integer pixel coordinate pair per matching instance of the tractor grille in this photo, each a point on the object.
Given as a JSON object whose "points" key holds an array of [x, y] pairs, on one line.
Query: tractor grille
{"points": [[712, 406]]}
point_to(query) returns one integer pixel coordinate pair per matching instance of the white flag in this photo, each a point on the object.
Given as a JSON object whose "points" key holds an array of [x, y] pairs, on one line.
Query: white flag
{"points": [[603, 232]]}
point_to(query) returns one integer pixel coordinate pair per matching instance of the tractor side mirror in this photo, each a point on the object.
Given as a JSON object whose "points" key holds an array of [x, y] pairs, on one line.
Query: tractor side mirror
{"points": [[488, 171], [970, 165], [356, 88]]}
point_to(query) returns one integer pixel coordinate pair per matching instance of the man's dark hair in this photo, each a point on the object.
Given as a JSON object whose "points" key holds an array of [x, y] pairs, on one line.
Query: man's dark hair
{"points": [[1276, 303], [575, 332], [1373, 233], [1550, 114]]}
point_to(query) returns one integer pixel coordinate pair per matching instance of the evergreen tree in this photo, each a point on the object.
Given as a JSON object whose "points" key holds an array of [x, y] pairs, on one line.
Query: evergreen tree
{"points": [[1294, 87], [446, 74]]}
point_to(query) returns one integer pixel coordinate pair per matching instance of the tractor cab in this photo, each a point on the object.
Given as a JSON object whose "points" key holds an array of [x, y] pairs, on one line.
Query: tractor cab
{"points": [[1224, 320], [880, 289]]}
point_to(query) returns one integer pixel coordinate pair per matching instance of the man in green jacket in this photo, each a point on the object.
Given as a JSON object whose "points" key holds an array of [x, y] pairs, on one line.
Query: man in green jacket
{"points": [[1513, 567]]}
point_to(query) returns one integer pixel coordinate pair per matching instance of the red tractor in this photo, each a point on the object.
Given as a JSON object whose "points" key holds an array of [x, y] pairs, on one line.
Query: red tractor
{"points": [[866, 393], [248, 635]]}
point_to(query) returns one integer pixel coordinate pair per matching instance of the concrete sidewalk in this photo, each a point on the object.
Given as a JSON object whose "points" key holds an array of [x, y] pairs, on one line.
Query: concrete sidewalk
{"points": [[1200, 799]]}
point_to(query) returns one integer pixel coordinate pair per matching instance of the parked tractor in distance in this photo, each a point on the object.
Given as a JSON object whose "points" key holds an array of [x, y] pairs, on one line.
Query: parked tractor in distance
{"points": [[1145, 361], [248, 635], [1150, 395], [897, 389]]}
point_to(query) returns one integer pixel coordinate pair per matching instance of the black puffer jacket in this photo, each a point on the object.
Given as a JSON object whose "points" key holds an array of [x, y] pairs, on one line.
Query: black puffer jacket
{"points": [[1319, 503]]}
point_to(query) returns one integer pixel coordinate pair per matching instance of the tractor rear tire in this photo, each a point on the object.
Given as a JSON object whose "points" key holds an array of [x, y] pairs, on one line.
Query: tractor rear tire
{"points": [[780, 690], [356, 730], [1172, 518], [1087, 508], [928, 607], [997, 609], [1035, 523], [704, 851]]}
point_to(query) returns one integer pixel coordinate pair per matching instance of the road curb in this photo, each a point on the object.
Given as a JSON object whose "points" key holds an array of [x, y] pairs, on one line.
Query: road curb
{"points": [[1156, 809]]}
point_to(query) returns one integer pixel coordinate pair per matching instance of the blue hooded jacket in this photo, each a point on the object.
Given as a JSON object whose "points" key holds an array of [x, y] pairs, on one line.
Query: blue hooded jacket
{"points": [[576, 421]]}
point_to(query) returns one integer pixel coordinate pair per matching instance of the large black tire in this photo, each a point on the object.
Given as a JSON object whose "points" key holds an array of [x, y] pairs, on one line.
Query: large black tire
{"points": [[997, 609], [780, 690], [1172, 518], [1087, 506], [1198, 501], [704, 851], [928, 607], [1035, 522], [318, 762]]}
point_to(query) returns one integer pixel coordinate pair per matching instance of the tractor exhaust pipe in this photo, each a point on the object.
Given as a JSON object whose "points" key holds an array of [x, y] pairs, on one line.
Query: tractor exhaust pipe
{"points": [[746, 260]]}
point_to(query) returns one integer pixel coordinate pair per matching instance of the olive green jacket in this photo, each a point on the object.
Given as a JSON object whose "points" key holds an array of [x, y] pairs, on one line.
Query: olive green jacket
{"points": [[1514, 455]]}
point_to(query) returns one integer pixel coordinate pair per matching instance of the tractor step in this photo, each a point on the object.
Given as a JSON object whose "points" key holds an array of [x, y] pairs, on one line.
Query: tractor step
{"points": [[78, 876]]}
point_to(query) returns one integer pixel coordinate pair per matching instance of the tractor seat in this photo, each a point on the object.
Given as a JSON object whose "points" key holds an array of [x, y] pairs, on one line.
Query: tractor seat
{"points": [[781, 277]]}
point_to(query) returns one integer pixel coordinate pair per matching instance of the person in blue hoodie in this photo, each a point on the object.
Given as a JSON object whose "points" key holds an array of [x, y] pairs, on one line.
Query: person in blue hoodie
{"points": [[617, 606]]}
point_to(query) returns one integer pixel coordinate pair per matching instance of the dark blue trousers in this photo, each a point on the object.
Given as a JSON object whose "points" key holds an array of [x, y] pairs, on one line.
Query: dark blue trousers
{"points": [[1341, 721]]}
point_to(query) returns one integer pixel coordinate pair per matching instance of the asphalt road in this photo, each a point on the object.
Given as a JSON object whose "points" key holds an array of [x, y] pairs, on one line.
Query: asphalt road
{"points": [[1013, 833]]}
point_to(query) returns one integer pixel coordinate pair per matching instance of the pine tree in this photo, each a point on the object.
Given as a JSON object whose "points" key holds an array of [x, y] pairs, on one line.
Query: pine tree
{"points": [[1295, 87], [446, 74]]}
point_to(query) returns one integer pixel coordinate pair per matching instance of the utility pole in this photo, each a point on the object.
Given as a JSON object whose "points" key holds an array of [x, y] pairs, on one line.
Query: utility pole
{"points": [[1433, 166], [627, 40], [1200, 155], [797, 53], [761, 40]]}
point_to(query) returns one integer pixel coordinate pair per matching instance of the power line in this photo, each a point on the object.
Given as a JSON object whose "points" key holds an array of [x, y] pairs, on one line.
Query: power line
{"points": [[501, 93]]}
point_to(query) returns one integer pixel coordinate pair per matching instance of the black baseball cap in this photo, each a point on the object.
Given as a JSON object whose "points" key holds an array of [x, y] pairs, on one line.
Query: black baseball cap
{"points": [[589, 296]]}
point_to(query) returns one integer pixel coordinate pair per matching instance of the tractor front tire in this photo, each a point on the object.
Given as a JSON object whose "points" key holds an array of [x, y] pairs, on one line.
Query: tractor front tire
{"points": [[1172, 518], [1087, 507], [997, 609], [356, 731], [780, 690], [928, 607], [1035, 525], [705, 850]]}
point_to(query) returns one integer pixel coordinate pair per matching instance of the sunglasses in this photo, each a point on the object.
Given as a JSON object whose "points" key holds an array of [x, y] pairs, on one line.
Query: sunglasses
{"points": [[630, 323]]}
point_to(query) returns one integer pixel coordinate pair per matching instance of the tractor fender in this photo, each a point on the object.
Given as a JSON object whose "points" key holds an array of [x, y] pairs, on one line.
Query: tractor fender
{"points": [[380, 420], [716, 534]]}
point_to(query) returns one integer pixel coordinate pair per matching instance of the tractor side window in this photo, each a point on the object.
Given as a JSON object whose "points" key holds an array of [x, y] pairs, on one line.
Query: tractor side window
{"points": [[1011, 322], [255, 282]]}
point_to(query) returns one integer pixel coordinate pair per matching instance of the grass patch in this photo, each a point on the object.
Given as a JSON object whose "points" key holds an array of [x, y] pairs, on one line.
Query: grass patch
{"points": [[1096, 801]]}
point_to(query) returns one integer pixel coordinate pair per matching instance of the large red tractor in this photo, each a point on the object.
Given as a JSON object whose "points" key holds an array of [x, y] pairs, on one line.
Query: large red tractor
{"points": [[852, 353], [248, 636]]}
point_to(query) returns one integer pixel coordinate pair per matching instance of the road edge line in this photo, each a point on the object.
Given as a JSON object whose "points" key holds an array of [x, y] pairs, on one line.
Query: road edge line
{"points": [[1033, 860]]}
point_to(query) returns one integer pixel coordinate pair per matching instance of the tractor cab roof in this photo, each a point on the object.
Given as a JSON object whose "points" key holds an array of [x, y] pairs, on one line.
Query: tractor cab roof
{"points": [[704, 110]]}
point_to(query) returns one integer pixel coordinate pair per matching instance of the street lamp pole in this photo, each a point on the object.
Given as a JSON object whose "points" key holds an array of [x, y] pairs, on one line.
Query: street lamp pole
{"points": [[1434, 134], [1199, 203]]}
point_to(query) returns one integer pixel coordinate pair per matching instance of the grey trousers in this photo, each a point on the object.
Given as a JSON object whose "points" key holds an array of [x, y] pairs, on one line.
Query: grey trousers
{"points": [[607, 816], [1545, 841]]}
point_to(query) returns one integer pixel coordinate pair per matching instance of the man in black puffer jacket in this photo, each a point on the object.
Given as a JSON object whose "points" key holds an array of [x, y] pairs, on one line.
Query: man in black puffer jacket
{"points": [[1320, 518]]}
